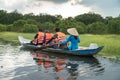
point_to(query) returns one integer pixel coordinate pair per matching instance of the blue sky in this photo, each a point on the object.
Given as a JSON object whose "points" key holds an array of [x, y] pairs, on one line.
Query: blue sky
{"points": [[66, 8]]}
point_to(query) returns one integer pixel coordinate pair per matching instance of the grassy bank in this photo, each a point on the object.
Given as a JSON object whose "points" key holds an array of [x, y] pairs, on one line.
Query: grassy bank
{"points": [[12, 37], [111, 42]]}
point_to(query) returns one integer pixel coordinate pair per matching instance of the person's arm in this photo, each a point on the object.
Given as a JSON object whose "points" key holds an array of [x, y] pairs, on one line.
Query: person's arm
{"points": [[78, 39], [67, 40], [54, 37], [35, 36]]}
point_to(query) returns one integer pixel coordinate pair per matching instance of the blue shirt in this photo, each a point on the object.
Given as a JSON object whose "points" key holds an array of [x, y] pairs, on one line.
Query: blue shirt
{"points": [[74, 42]]}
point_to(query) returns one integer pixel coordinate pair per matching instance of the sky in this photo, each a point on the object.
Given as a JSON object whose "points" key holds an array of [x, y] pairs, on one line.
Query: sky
{"points": [[66, 8]]}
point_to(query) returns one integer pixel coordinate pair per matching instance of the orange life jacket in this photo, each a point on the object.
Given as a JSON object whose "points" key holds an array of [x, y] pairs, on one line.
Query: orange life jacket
{"points": [[61, 36], [40, 37], [48, 37]]}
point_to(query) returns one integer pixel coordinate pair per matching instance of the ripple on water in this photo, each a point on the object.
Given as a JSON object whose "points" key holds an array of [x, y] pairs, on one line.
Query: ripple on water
{"points": [[17, 64], [13, 60]]}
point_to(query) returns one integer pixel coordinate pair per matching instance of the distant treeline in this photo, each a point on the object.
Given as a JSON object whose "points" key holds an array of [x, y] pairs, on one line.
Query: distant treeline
{"points": [[85, 23]]}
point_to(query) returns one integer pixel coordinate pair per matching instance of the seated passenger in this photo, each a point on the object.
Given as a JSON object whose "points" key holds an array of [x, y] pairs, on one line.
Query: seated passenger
{"points": [[73, 38], [38, 39], [60, 37], [47, 37]]}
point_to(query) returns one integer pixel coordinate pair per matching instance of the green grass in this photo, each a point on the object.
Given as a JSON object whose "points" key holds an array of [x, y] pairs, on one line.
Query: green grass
{"points": [[111, 43], [12, 37]]}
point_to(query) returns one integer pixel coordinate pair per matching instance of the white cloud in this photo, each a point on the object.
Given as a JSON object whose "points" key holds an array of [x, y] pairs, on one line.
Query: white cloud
{"points": [[65, 9], [11, 5], [104, 7]]}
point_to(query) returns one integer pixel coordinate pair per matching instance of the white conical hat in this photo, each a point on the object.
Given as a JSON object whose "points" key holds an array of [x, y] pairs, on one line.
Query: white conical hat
{"points": [[72, 31]]}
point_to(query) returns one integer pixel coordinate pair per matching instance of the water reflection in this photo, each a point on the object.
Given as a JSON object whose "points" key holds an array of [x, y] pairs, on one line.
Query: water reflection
{"points": [[18, 64], [67, 67]]}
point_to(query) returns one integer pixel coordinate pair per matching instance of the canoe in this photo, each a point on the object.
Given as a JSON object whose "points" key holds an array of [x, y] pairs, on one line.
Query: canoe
{"points": [[84, 51], [26, 43]]}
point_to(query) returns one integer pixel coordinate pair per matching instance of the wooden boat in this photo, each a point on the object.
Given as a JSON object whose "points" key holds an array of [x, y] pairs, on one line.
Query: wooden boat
{"points": [[85, 51], [26, 43]]}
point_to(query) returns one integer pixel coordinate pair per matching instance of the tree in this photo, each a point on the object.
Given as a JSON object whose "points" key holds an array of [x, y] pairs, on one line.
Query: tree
{"points": [[114, 26], [31, 21], [89, 18], [96, 28], [47, 26], [81, 27], [29, 28], [107, 19], [3, 16], [29, 16], [42, 18], [10, 27], [14, 16], [2, 27], [69, 23], [18, 25]]}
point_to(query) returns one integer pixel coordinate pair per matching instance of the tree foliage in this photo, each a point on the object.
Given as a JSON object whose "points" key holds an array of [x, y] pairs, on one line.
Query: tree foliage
{"points": [[84, 23], [89, 18], [114, 26], [29, 28], [2, 27], [96, 28], [18, 25], [47, 26]]}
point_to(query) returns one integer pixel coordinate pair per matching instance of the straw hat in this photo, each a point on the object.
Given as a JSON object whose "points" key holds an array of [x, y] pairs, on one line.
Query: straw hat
{"points": [[72, 31]]}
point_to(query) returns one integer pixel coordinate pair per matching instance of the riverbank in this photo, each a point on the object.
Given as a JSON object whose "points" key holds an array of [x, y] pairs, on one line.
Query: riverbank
{"points": [[12, 37], [111, 42]]}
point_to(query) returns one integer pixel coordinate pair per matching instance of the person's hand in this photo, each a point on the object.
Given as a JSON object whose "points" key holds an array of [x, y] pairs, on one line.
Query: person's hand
{"points": [[60, 42], [45, 45]]}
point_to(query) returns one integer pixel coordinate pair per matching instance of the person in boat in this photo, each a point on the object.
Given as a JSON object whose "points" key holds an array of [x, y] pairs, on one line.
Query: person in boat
{"points": [[61, 36], [38, 38], [73, 38], [59, 39], [47, 37]]}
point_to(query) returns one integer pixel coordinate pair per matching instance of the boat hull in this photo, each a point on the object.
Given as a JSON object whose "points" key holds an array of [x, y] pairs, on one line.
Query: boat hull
{"points": [[84, 52]]}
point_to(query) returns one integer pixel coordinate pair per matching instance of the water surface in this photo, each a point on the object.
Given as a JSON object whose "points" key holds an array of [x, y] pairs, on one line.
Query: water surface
{"points": [[19, 64]]}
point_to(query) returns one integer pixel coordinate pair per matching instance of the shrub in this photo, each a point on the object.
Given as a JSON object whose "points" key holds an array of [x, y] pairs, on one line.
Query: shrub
{"points": [[47, 26], [10, 27], [113, 26], [96, 28], [29, 28], [2, 27], [18, 25]]}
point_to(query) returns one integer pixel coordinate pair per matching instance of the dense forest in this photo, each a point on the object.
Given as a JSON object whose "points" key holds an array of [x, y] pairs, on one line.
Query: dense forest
{"points": [[85, 23]]}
